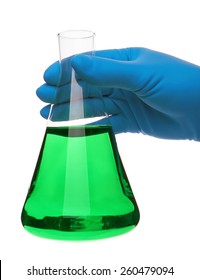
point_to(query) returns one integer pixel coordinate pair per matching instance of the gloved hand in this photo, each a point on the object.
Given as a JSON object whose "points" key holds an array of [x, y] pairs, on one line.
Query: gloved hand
{"points": [[143, 91]]}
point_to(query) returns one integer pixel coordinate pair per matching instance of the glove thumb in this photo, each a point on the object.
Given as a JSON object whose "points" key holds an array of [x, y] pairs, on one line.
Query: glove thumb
{"points": [[105, 72]]}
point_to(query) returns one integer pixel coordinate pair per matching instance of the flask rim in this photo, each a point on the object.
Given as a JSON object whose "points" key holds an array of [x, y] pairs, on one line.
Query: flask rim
{"points": [[76, 34]]}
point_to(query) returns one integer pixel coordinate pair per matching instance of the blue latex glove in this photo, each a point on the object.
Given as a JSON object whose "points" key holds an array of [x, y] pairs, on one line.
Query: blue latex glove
{"points": [[143, 90]]}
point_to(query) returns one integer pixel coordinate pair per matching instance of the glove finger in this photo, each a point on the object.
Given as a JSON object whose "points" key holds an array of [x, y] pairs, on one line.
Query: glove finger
{"points": [[53, 94], [93, 107], [54, 76], [107, 72], [57, 95], [44, 112], [59, 73]]}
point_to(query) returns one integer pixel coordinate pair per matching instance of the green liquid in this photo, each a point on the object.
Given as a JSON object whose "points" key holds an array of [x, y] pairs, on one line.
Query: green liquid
{"points": [[79, 189]]}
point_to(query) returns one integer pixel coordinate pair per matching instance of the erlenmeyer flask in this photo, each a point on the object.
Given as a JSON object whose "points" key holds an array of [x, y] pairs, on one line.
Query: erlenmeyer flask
{"points": [[79, 190]]}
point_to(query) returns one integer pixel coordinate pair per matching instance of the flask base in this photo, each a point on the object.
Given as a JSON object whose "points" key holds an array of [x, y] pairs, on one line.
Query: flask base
{"points": [[77, 236], [80, 227]]}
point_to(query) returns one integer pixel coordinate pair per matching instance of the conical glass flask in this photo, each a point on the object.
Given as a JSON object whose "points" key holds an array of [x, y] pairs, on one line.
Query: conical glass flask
{"points": [[79, 190]]}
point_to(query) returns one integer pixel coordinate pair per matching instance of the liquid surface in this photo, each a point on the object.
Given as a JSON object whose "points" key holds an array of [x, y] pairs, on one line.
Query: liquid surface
{"points": [[79, 188]]}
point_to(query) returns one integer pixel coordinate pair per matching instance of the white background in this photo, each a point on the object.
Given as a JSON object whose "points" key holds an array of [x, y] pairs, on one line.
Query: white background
{"points": [[164, 174]]}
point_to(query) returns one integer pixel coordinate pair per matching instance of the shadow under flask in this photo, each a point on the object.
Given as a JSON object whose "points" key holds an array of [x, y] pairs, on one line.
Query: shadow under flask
{"points": [[79, 189]]}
